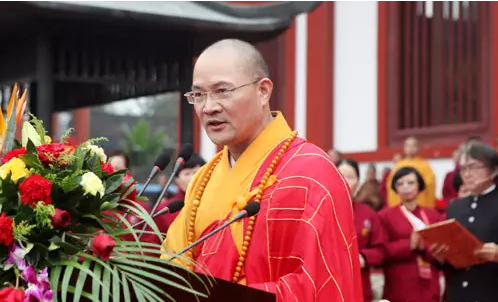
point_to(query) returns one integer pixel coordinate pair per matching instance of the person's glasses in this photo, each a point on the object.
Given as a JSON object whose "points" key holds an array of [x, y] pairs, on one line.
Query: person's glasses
{"points": [[471, 167], [218, 94]]}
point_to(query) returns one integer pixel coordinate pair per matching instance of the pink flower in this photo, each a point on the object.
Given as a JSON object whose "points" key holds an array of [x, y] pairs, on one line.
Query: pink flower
{"points": [[103, 245], [61, 219]]}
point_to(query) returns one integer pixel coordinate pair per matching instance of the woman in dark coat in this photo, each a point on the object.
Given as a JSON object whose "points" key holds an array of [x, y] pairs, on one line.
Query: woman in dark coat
{"points": [[478, 212]]}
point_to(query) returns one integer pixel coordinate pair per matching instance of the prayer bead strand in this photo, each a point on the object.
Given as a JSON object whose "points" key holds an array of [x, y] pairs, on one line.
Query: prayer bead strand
{"points": [[252, 220], [258, 197]]}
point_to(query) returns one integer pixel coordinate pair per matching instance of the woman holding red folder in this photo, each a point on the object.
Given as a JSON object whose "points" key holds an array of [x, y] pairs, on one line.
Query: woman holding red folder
{"points": [[478, 213], [411, 274], [368, 228]]}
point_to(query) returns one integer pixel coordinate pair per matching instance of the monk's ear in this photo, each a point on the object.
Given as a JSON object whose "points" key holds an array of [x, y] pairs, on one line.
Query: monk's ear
{"points": [[264, 91]]}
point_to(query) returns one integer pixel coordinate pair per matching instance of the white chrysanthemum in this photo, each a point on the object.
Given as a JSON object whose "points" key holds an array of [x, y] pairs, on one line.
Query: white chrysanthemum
{"points": [[97, 150], [92, 184]]}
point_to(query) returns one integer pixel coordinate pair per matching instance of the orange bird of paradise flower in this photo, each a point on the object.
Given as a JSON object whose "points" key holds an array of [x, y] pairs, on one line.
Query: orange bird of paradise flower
{"points": [[9, 124]]}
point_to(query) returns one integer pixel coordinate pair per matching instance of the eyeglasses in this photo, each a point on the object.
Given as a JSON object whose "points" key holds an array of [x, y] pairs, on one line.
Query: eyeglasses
{"points": [[469, 168], [218, 94]]}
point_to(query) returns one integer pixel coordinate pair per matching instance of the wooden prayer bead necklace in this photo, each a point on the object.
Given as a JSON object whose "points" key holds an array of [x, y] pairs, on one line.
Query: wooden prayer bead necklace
{"points": [[252, 220]]}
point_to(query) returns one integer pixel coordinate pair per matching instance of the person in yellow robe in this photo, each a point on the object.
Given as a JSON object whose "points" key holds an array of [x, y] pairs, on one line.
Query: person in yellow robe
{"points": [[302, 244], [426, 198]]}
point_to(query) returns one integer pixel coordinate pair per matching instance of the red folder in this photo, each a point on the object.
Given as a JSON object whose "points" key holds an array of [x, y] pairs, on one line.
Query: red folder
{"points": [[461, 243]]}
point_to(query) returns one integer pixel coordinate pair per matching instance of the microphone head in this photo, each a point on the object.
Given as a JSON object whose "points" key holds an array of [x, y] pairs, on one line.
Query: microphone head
{"points": [[186, 151], [252, 208], [162, 160], [175, 205]]}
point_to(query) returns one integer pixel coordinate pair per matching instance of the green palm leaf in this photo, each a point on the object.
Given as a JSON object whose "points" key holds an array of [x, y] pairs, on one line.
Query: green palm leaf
{"points": [[130, 263]]}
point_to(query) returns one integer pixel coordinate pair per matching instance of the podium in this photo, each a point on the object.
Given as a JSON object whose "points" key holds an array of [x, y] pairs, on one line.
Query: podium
{"points": [[216, 290]]}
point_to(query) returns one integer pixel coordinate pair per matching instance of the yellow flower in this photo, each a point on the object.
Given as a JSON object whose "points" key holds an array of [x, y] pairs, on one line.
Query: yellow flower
{"points": [[15, 166], [92, 184]]}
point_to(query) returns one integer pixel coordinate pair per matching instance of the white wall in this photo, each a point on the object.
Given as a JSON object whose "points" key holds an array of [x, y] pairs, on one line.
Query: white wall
{"points": [[301, 74], [355, 76]]}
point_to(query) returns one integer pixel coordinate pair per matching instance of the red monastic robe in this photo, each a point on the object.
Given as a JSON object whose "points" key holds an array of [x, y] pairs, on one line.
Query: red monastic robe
{"points": [[403, 281], [304, 245], [370, 241]]}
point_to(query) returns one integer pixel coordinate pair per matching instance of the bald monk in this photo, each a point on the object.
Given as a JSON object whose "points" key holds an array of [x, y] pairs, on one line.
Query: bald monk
{"points": [[302, 244], [426, 198]]}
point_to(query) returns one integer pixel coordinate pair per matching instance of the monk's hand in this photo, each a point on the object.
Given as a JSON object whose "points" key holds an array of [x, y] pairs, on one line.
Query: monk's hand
{"points": [[362, 262], [416, 242], [439, 251], [488, 252]]}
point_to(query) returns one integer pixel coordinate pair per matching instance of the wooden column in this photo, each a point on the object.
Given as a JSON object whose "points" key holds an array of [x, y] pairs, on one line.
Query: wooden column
{"points": [[44, 94], [186, 123]]}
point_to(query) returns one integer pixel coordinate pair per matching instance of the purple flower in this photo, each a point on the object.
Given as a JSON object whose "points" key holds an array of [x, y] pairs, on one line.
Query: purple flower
{"points": [[35, 293], [16, 255], [29, 275], [39, 285]]}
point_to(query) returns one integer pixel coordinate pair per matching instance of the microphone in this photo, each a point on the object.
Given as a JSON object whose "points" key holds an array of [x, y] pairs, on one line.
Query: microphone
{"points": [[251, 209], [171, 208], [160, 164], [184, 155]]}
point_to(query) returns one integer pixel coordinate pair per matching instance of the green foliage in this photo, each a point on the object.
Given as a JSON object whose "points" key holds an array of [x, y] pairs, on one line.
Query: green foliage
{"points": [[43, 215], [66, 135], [22, 230], [38, 125], [141, 144]]}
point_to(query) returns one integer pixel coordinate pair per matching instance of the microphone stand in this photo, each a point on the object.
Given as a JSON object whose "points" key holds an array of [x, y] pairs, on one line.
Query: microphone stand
{"points": [[239, 216], [163, 192]]}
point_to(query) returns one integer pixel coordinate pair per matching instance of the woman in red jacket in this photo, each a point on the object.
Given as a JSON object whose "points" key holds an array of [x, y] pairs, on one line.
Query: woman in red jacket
{"points": [[411, 274], [368, 228]]}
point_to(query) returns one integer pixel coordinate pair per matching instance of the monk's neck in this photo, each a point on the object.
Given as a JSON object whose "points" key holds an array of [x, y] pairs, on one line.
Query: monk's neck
{"points": [[237, 150], [410, 205]]}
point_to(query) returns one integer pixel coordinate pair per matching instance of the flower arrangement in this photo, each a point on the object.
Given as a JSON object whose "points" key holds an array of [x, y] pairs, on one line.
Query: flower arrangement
{"points": [[62, 214]]}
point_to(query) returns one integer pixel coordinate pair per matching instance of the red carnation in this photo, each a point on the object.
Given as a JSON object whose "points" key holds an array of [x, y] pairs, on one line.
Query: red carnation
{"points": [[10, 294], [36, 188], [103, 245], [13, 154], [6, 230], [50, 153], [61, 219], [107, 167], [133, 194]]}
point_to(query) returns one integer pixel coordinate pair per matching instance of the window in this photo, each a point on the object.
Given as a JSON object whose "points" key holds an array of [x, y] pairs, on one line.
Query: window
{"points": [[438, 69]]}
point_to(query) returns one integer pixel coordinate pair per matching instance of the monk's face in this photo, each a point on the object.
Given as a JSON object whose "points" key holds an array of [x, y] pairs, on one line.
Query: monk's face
{"points": [[407, 187], [411, 147], [349, 175], [235, 108]]}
